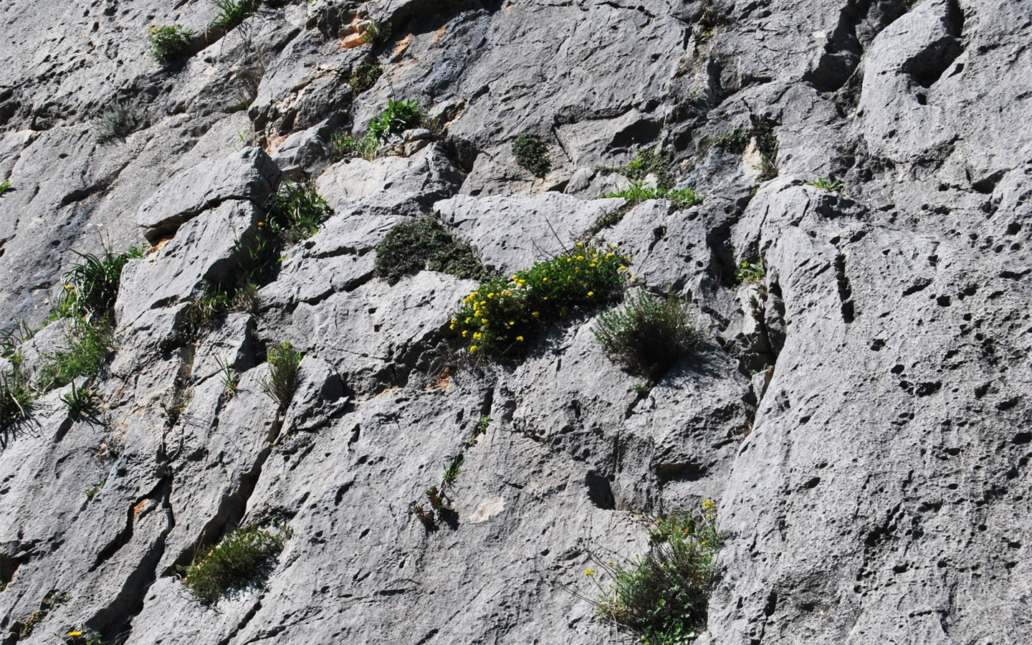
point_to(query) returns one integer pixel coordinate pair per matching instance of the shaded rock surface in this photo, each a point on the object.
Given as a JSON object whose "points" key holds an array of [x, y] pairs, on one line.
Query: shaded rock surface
{"points": [[857, 412]]}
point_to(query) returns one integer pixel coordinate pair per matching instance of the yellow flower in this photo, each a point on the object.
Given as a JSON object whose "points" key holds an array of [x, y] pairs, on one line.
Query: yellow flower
{"points": [[464, 332], [580, 243], [536, 313], [515, 278], [589, 572], [468, 319], [580, 257], [261, 223], [452, 327], [74, 634], [591, 293], [634, 277], [483, 320], [519, 339], [569, 259], [454, 320], [709, 505], [544, 279], [476, 335], [511, 323], [622, 268], [490, 295], [472, 348]]}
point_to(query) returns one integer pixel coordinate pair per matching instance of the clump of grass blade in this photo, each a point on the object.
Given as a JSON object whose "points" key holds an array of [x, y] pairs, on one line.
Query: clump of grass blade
{"points": [[639, 192], [297, 210], [168, 43], [241, 558], [284, 362], [118, 121], [233, 12]]}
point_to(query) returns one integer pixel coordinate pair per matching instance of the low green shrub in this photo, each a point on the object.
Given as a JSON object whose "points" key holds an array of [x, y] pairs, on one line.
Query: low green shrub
{"points": [[233, 12], [281, 383], [90, 344], [649, 161], [118, 121], [296, 211], [503, 315], [662, 598], [828, 184], [5, 186], [412, 247], [397, 117], [364, 77], [750, 272], [638, 192], [240, 559], [648, 334], [531, 154], [168, 43]]}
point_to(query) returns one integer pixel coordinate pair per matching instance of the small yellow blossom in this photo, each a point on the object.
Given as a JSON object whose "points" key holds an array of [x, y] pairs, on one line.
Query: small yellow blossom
{"points": [[483, 320], [591, 293], [622, 268], [580, 243], [472, 348], [451, 326], [589, 572], [545, 279], [261, 223], [75, 634], [464, 332], [634, 277], [536, 313], [519, 339], [709, 505]]}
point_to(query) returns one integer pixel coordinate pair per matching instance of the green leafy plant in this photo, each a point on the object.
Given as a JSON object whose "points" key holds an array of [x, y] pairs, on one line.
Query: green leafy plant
{"points": [[397, 117], [454, 467], [638, 192], [91, 286], [296, 211], [648, 334], [89, 345], [412, 247], [118, 121], [750, 272], [503, 315], [232, 13], [284, 362], [364, 77], [649, 161], [478, 431], [531, 154], [828, 184], [80, 400], [229, 380], [5, 186], [241, 558], [662, 597], [92, 491], [374, 32], [168, 43]]}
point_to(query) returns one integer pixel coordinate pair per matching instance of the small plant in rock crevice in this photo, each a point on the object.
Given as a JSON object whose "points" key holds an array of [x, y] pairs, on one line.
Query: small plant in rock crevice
{"points": [[374, 32], [229, 380], [345, 146], [364, 77], [531, 154], [828, 184], [662, 597], [280, 384], [168, 43], [750, 272], [638, 193], [502, 316], [15, 399], [240, 559], [649, 161], [80, 399], [82, 636], [53, 600], [411, 247], [5, 186], [89, 346], [91, 286], [397, 117], [648, 334], [118, 121], [232, 13], [296, 211]]}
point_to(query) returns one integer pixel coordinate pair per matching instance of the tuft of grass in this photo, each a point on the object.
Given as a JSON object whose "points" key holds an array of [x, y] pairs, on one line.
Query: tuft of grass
{"points": [[750, 272], [296, 211], [281, 383], [240, 559], [119, 121], [89, 346], [649, 334], [5, 186], [15, 399], [374, 32], [828, 184], [364, 77], [80, 400], [232, 13], [91, 286], [649, 161], [503, 315], [638, 192], [168, 43], [454, 467], [229, 381], [397, 117], [412, 247], [531, 154], [345, 146], [662, 597]]}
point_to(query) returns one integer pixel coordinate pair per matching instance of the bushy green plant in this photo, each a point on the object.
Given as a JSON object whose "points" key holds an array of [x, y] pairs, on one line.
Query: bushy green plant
{"points": [[89, 345], [649, 161], [118, 121], [281, 382], [91, 286], [411, 247], [5, 186], [531, 154], [638, 192], [345, 146], [750, 272], [80, 399], [662, 598], [297, 210], [397, 117], [241, 558], [364, 77], [828, 184], [503, 315], [168, 43], [233, 12], [648, 334], [229, 380]]}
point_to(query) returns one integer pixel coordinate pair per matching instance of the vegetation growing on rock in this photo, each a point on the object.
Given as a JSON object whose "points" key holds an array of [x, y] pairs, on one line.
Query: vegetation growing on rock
{"points": [[411, 247], [647, 334], [240, 559], [168, 43], [531, 154]]}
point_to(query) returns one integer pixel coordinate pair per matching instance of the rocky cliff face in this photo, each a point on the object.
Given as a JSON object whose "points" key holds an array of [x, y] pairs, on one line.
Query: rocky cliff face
{"points": [[858, 413]]}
